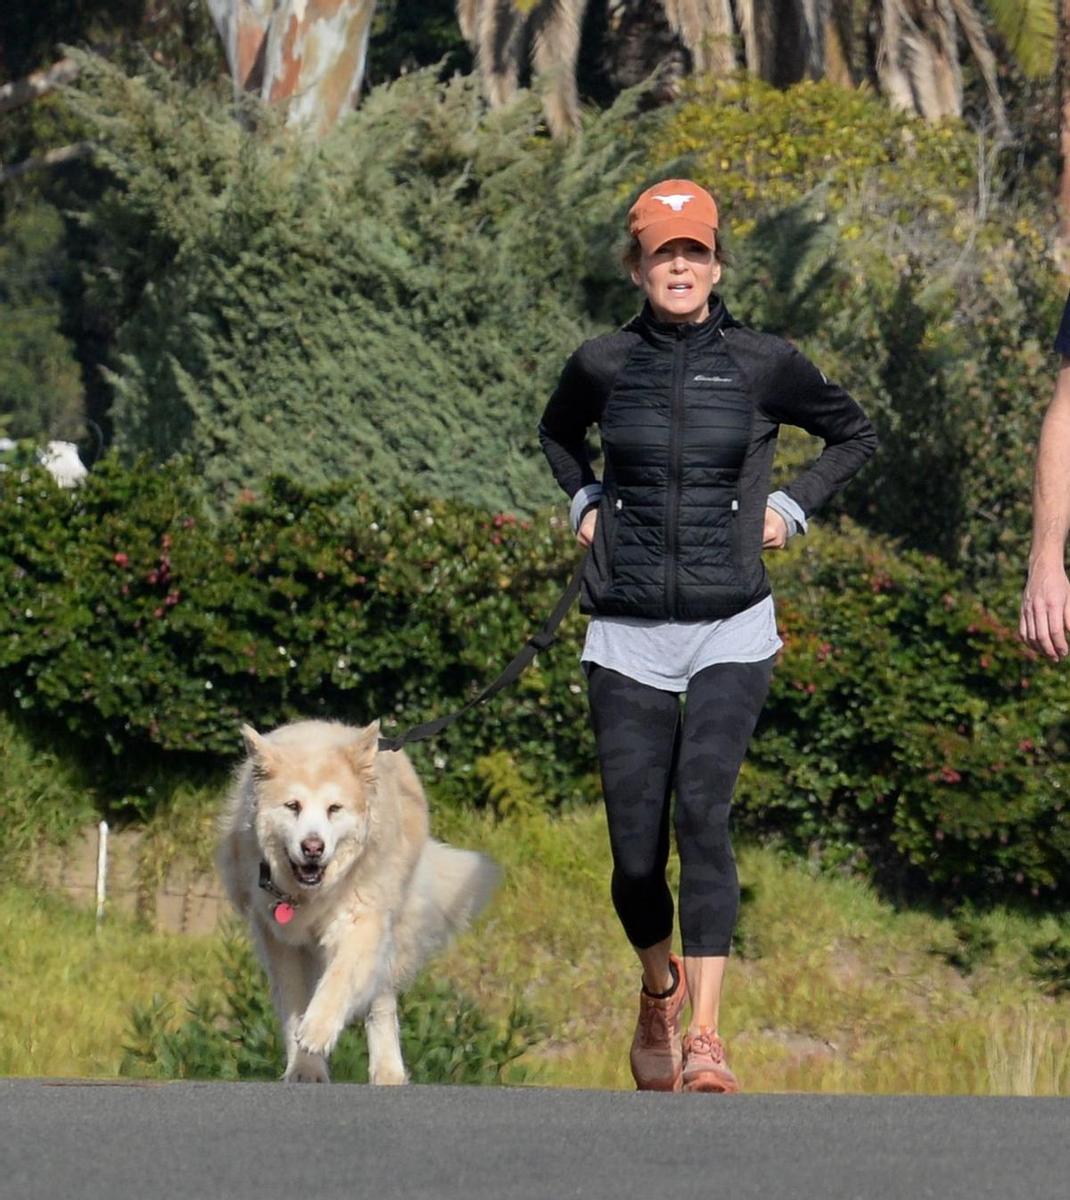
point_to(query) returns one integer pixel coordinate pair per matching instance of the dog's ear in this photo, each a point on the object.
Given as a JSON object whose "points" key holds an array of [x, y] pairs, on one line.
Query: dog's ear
{"points": [[363, 749], [259, 750]]}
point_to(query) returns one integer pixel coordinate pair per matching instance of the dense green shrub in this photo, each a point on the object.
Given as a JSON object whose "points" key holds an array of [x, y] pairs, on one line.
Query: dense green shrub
{"points": [[393, 305], [761, 147], [131, 616], [233, 1034], [908, 722], [907, 729]]}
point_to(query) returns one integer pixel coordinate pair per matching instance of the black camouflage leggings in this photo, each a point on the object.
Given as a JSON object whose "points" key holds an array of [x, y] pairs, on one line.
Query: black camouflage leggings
{"points": [[644, 750]]}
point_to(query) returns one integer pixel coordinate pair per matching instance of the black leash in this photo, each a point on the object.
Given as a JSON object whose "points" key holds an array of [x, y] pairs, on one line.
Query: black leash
{"points": [[542, 640]]}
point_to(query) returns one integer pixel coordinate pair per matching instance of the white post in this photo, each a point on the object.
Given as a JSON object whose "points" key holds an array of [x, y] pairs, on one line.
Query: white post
{"points": [[102, 869]]}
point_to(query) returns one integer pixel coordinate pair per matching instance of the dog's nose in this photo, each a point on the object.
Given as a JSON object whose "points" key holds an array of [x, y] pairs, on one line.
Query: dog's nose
{"points": [[312, 847]]}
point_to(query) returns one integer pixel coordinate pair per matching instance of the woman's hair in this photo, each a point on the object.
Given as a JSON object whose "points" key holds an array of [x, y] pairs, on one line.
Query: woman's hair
{"points": [[633, 252]]}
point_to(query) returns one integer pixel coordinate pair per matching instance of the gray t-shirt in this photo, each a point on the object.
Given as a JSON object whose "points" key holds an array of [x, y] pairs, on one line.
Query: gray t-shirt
{"points": [[668, 654]]}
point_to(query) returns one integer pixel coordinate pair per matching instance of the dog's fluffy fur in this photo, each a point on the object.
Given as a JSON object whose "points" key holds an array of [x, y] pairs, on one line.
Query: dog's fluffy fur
{"points": [[343, 830]]}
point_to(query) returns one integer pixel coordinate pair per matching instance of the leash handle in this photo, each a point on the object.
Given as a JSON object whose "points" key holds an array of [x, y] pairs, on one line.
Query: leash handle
{"points": [[542, 639]]}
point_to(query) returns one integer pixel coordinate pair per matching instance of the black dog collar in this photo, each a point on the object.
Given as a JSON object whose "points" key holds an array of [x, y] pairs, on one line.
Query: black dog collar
{"points": [[283, 908]]}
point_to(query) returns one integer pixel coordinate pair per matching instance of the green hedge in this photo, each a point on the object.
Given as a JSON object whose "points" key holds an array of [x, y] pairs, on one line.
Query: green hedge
{"points": [[908, 723], [136, 619], [907, 729]]}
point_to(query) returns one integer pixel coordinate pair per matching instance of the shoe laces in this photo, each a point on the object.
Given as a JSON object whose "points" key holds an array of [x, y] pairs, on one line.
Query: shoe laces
{"points": [[707, 1043]]}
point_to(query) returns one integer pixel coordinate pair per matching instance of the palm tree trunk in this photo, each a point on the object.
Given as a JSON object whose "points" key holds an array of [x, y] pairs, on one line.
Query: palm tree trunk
{"points": [[706, 29], [840, 44], [815, 20], [555, 31], [917, 60], [499, 47], [784, 43], [972, 27]]}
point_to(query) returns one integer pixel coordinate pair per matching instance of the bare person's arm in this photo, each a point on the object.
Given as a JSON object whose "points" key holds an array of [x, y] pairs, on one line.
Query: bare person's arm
{"points": [[1045, 616]]}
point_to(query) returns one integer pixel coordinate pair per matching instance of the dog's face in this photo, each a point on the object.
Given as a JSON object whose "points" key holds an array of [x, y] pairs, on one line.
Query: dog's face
{"points": [[313, 806]]}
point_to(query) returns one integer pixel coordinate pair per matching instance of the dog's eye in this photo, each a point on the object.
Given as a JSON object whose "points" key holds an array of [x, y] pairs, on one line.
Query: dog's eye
{"points": [[333, 809], [294, 805]]}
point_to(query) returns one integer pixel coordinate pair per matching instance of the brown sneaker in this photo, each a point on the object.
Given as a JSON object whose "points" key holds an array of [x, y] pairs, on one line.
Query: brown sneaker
{"points": [[705, 1067], [657, 1059]]}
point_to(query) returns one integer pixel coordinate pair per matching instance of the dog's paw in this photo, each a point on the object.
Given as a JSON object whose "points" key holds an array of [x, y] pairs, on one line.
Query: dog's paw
{"points": [[316, 1038], [389, 1076], [307, 1068]]}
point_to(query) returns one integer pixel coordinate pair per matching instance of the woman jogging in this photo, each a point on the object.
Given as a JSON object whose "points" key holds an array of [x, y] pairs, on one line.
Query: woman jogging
{"points": [[688, 402]]}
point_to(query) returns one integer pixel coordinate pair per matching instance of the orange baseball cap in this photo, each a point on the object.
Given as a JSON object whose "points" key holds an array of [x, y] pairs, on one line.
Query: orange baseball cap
{"points": [[676, 208]]}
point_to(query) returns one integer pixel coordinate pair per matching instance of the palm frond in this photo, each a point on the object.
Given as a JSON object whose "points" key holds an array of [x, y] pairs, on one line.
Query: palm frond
{"points": [[1030, 29]]}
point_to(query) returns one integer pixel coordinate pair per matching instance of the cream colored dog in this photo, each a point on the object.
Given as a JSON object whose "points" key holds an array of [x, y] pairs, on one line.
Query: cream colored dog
{"points": [[325, 851]]}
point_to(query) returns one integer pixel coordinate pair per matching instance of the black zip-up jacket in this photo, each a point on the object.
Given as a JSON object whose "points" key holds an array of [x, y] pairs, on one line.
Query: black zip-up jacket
{"points": [[689, 416]]}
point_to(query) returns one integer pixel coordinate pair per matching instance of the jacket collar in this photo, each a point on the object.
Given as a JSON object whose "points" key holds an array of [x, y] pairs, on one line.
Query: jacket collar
{"points": [[666, 333]]}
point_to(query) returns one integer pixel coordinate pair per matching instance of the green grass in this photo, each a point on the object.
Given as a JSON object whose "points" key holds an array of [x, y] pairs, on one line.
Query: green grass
{"points": [[832, 988], [66, 991]]}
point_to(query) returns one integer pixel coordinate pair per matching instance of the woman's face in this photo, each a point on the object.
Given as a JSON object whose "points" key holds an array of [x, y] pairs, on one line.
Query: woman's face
{"points": [[677, 278]]}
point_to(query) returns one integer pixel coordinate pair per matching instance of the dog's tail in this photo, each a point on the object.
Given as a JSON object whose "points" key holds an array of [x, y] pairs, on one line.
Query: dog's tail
{"points": [[449, 889]]}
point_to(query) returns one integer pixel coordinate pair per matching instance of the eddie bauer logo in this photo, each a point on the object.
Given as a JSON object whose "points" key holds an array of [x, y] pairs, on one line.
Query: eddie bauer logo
{"points": [[713, 379], [676, 202]]}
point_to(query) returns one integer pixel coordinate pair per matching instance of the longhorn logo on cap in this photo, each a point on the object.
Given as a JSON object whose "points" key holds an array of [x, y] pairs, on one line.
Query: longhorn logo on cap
{"points": [[676, 202]]}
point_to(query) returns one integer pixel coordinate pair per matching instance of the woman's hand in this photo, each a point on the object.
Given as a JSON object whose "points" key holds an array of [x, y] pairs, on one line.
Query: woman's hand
{"points": [[585, 533], [775, 531]]}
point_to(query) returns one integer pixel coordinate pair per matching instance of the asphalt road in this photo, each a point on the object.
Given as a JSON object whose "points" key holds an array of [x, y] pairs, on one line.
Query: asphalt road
{"points": [[67, 1140]]}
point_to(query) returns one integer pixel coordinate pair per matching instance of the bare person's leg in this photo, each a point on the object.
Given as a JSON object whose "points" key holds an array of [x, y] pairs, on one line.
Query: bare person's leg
{"points": [[705, 979]]}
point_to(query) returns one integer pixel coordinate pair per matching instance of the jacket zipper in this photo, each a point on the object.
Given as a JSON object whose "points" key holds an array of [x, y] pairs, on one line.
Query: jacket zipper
{"points": [[675, 440]]}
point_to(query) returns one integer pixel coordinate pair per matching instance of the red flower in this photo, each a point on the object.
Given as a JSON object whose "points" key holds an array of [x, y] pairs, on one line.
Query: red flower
{"points": [[120, 559]]}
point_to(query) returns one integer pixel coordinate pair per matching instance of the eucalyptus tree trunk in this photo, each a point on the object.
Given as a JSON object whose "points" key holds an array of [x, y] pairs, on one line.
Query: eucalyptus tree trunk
{"points": [[306, 54]]}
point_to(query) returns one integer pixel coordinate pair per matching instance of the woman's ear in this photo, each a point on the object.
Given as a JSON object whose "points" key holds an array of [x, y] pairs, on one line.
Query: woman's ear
{"points": [[716, 273]]}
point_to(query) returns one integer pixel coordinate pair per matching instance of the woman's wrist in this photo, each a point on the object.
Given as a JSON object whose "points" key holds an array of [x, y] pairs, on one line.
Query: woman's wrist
{"points": [[789, 510], [586, 498]]}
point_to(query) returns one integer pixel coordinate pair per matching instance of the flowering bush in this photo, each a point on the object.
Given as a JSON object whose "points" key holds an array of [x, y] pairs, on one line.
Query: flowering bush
{"points": [[136, 618], [906, 730], [908, 724]]}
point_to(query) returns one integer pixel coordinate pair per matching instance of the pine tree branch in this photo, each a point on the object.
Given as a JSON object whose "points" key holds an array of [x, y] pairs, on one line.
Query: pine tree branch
{"points": [[53, 158], [23, 91]]}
